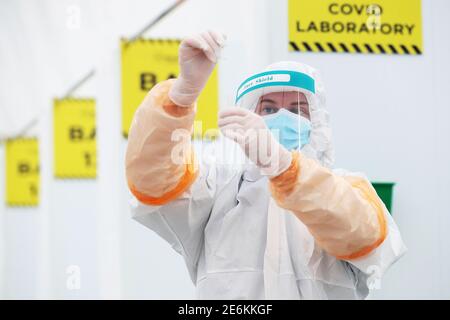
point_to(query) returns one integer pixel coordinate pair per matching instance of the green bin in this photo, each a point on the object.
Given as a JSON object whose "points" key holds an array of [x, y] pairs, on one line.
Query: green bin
{"points": [[385, 192]]}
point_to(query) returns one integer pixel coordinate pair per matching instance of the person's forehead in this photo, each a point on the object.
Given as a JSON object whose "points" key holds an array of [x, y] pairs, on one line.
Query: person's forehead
{"points": [[283, 95]]}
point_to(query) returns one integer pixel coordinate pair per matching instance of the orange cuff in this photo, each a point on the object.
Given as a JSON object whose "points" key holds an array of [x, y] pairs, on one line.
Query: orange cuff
{"points": [[185, 182], [175, 110], [282, 185]]}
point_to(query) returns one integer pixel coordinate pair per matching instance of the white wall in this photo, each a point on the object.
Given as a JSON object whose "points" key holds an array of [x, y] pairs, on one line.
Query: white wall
{"points": [[389, 119]]}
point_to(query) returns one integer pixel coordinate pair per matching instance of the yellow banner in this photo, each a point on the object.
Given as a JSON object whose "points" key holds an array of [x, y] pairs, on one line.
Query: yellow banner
{"points": [[22, 172], [74, 134], [356, 26], [145, 62]]}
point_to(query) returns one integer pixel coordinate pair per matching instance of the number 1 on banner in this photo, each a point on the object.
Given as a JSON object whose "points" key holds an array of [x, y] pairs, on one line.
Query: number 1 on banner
{"points": [[22, 172], [74, 138]]}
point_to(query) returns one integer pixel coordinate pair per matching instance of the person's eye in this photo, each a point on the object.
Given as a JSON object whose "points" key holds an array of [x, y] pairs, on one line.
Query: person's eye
{"points": [[305, 115], [269, 110], [293, 110], [304, 112]]}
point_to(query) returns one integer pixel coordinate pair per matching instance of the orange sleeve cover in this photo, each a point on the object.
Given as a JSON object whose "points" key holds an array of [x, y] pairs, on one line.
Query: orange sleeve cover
{"points": [[160, 164], [344, 214]]}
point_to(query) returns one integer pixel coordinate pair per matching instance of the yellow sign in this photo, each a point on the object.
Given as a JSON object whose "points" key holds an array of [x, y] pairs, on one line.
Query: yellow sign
{"points": [[22, 172], [74, 138], [356, 26], [146, 62]]}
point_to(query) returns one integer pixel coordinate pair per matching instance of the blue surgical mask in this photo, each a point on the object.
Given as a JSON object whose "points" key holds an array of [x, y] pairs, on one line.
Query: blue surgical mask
{"points": [[287, 125]]}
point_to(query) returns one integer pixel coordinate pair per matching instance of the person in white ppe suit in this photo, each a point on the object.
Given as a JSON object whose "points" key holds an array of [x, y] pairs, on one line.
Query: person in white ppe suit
{"points": [[287, 227]]}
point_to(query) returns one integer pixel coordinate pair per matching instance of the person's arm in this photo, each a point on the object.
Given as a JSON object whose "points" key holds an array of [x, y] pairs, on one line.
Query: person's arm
{"points": [[173, 196], [160, 164], [154, 176], [344, 214]]}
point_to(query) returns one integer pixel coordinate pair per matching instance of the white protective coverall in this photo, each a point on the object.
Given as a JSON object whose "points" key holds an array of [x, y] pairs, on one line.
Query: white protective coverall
{"points": [[309, 233]]}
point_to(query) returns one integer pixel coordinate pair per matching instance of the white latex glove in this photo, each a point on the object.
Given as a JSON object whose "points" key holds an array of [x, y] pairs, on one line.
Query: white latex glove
{"points": [[251, 133], [197, 57]]}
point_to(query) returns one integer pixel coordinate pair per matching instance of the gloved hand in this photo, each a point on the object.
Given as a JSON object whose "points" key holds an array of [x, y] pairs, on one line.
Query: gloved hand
{"points": [[251, 133], [197, 57]]}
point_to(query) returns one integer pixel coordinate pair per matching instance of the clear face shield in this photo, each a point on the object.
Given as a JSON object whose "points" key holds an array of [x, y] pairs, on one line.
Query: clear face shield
{"points": [[283, 99]]}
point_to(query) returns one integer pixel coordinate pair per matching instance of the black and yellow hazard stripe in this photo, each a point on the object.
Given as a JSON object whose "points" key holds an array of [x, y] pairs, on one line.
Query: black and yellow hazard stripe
{"points": [[162, 41], [341, 47]]}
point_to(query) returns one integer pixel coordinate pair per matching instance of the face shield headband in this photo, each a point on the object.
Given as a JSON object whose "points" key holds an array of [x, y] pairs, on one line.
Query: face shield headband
{"points": [[284, 79]]}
